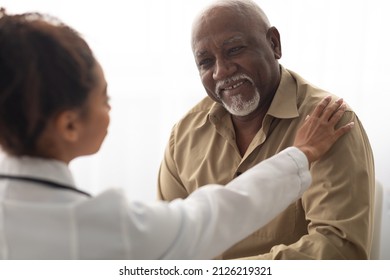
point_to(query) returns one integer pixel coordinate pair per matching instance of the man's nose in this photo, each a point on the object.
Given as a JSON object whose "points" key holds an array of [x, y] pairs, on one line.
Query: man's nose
{"points": [[223, 68]]}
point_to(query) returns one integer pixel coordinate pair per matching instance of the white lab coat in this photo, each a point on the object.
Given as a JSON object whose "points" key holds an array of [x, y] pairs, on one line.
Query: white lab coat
{"points": [[39, 222]]}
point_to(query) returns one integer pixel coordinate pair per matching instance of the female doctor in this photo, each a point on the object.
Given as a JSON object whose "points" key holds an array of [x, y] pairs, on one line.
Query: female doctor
{"points": [[54, 108]]}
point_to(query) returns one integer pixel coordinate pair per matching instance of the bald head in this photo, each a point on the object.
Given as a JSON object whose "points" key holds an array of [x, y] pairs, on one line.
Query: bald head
{"points": [[246, 10]]}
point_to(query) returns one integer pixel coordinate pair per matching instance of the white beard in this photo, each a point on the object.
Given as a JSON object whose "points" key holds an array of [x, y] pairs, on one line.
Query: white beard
{"points": [[240, 107]]}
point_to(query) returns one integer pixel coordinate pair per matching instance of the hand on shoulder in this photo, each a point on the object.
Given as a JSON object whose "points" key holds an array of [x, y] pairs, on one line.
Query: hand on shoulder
{"points": [[318, 133]]}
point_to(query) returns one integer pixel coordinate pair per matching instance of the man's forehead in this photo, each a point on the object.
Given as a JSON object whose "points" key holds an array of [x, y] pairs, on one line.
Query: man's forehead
{"points": [[201, 45], [233, 39]]}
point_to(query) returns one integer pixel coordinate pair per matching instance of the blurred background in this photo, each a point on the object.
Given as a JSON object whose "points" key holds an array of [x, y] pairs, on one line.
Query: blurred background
{"points": [[144, 48]]}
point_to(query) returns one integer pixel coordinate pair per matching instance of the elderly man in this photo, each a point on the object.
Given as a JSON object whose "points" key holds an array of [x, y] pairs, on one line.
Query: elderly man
{"points": [[253, 110]]}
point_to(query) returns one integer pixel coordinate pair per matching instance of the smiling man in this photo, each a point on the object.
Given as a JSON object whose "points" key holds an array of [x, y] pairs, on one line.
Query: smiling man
{"points": [[253, 110]]}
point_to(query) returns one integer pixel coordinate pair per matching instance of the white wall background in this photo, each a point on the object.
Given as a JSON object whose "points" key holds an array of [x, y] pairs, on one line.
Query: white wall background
{"points": [[342, 46]]}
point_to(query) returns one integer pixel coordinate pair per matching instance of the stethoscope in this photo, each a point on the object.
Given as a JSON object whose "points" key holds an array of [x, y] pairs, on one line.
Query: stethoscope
{"points": [[43, 182]]}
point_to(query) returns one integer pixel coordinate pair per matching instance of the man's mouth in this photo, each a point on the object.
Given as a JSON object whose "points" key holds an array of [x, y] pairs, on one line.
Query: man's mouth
{"points": [[228, 86], [234, 86]]}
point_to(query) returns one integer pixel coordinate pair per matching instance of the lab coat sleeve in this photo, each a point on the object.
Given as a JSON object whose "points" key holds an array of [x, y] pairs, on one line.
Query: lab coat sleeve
{"points": [[206, 223], [215, 218]]}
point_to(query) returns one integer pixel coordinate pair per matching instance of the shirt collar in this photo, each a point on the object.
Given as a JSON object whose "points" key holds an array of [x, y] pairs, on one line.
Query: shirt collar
{"points": [[284, 104], [217, 113]]}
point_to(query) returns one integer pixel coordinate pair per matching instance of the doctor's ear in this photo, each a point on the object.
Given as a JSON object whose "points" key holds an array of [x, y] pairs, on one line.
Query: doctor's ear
{"points": [[68, 125], [273, 37]]}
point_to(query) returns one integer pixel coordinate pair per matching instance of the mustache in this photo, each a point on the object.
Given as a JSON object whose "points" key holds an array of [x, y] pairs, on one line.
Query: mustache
{"points": [[221, 84]]}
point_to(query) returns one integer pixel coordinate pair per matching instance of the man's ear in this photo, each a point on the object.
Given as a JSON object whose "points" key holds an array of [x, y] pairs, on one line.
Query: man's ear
{"points": [[273, 37], [68, 125]]}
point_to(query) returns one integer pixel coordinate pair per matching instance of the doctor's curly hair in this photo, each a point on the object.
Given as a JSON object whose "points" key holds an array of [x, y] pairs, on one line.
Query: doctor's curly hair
{"points": [[45, 67]]}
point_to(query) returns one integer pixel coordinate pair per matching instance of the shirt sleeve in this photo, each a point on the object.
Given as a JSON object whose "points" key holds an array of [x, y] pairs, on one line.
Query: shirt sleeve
{"points": [[169, 185], [211, 219]]}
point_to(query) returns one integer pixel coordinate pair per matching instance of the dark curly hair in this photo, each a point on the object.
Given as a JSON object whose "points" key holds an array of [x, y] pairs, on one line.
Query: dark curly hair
{"points": [[45, 67]]}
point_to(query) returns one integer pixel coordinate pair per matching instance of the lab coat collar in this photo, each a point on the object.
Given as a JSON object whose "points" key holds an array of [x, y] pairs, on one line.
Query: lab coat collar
{"points": [[41, 168]]}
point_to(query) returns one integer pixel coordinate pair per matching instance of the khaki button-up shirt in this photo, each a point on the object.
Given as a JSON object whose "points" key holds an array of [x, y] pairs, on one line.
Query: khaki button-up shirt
{"points": [[333, 220]]}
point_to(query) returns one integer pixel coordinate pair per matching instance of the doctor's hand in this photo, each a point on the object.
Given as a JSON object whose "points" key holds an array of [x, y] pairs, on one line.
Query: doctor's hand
{"points": [[318, 133]]}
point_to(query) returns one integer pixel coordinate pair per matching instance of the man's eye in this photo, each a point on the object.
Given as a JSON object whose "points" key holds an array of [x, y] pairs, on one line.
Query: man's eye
{"points": [[205, 62], [235, 50]]}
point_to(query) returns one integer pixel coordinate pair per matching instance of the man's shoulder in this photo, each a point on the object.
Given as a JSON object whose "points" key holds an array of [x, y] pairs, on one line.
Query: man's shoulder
{"points": [[197, 117], [308, 93], [199, 112], [311, 89], [202, 107]]}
